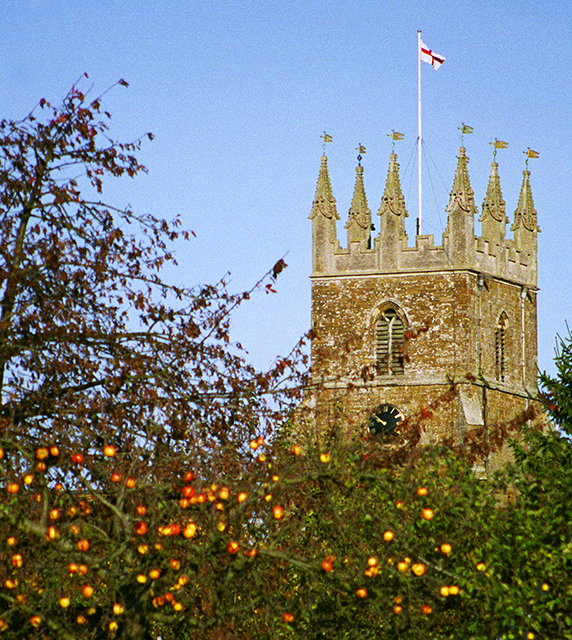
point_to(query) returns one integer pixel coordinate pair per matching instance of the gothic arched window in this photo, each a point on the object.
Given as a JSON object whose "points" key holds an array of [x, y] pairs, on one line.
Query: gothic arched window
{"points": [[390, 342], [500, 347]]}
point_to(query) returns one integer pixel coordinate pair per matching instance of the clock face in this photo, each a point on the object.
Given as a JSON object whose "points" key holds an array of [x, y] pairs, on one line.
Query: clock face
{"points": [[385, 419]]}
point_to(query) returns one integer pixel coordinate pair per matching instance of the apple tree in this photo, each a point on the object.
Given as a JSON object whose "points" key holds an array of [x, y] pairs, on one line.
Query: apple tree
{"points": [[115, 386]]}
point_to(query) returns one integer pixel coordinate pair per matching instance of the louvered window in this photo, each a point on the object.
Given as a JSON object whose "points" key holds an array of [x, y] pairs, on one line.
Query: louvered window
{"points": [[390, 340], [500, 347]]}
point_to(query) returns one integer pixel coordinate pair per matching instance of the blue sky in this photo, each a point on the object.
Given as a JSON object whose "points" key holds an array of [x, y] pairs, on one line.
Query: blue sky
{"points": [[238, 93]]}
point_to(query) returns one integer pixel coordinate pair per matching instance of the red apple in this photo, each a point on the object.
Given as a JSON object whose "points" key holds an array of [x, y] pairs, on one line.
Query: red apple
{"points": [[233, 547]]}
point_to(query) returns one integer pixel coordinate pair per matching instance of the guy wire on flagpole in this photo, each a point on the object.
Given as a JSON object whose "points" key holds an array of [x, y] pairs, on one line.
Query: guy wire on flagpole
{"points": [[419, 135]]}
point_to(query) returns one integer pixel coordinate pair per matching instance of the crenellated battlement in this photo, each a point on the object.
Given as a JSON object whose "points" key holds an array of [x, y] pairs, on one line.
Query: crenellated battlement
{"points": [[491, 254]]}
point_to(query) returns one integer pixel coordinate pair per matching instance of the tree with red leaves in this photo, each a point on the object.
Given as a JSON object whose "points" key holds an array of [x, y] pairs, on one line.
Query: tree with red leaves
{"points": [[126, 381]]}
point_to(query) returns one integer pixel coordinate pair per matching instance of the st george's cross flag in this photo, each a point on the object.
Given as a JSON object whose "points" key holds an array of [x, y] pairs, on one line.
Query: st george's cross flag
{"points": [[432, 58]]}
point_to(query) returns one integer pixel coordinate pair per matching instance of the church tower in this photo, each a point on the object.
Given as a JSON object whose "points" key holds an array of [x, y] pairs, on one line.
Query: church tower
{"points": [[394, 326]]}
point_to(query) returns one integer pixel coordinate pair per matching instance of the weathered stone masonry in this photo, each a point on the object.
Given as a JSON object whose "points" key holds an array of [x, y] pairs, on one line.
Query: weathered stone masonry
{"points": [[466, 309]]}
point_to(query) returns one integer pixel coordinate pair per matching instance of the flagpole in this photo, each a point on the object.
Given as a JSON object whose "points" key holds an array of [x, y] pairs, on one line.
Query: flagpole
{"points": [[419, 134]]}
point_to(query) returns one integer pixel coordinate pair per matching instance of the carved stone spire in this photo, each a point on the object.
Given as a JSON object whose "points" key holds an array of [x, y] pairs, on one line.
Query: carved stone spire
{"points": [[323, 216], [459, 236], [324, 202], [392, 214], [525, 225], [392, 200], [462, 196], [359, 217], [525, 214], [494, 216]]}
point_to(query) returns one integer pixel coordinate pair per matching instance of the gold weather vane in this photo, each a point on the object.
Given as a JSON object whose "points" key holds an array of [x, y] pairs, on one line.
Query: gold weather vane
{"points": [[394, 135], [464, 128], [530, 154], [326, 137], [360, 149], [498, 144]]}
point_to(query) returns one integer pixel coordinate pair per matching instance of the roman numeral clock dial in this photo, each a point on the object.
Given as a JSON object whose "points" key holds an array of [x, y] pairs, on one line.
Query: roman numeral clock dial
{"points": [[385, 420]]}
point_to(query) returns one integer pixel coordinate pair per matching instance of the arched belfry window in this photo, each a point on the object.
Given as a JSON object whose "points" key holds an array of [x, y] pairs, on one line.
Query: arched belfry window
{"points": [[500, 347], [390, 342]]}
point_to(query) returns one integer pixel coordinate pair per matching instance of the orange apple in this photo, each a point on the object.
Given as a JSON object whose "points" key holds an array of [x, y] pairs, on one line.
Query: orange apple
{"points": [[361, 593], [444, 591], [52, 533], [83, 545], [278, 512], [233, 547], [64, 603], [188, 491], [418, 569], [109, 450], [87, 591], [427, 514], [422, 491], [327, 566], [17, 560], [42, 453], [426, 610], [388, 536], [397, 609], [13, 487], [446, 548], [287, 618], [453, 590]]}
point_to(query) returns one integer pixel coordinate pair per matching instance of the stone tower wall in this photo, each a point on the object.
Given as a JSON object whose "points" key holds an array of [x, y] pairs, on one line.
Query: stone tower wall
{"points": [[452, 299]]}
